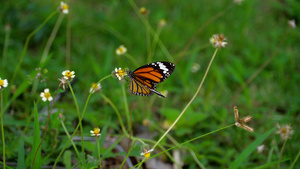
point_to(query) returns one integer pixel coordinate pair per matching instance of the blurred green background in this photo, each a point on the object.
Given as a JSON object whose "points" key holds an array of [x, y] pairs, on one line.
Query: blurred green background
{"points": [[255, 30]]}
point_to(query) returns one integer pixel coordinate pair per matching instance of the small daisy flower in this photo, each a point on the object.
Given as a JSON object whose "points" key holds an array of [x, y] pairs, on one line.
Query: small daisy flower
{"points": [[95, 132], [3, 83], [238, 1], [260, 148], [121, 50], [285, 131], [95, 87], [292, 23], [195, 67], [46, 95], [144, 11], [68, 75], [119, 73], [146, 153], [218, 40], [162, 23], [63, 8], [241, 122]]}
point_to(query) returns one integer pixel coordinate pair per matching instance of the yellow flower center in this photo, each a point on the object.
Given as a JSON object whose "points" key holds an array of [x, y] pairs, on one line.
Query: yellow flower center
{"points": [[143, 10], [283, 130], [1, 82], [121, 73], [96, 130], [93, 85], [147, 155], [64, 7], [47, 95], [68, 74]]}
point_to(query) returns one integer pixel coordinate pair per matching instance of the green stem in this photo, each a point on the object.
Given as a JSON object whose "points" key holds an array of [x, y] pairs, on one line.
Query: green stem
{"points": [[47, 48], [120, 118], [140, 164], [196, 138], [46, 129], [117, 112], [126, 105], [2, 129], [51, 38], [128, 153], [295, 160], [27, 42], [150, 29], [98, 147], [193, 98], [280, 155], [176, 143], [80, 119], [80, 124], [66, 131]]}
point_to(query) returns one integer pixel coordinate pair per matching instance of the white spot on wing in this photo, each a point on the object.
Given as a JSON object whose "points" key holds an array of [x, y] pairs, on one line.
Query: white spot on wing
{"points": [[163, 67]]}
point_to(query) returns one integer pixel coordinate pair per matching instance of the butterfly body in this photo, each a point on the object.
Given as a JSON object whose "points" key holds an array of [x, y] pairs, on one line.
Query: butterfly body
{"points": [[143, 80]]}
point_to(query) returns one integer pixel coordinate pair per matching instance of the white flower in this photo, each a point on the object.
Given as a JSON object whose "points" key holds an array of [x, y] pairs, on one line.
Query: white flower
{"points": [[63, 8], [46, 95], [218, 40], [121, 50], [195, 67], [285, 131], [3, 83], [162, 23], [260, 148], [95, 132], [97, 88], [119, 73], [147, 153], [68, 75], [292, 23]]}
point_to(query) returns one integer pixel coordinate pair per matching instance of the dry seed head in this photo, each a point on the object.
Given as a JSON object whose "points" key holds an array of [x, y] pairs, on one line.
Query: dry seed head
{"points": [[236, 114], [246, 119], [244, 126]]}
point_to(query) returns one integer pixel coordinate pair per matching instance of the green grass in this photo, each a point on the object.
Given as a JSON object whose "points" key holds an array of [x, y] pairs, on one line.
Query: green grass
{"points": [[256, 32]]}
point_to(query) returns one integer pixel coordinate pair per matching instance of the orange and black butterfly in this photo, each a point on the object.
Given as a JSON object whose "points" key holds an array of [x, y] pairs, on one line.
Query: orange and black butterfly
{"points": [[143, 80]]}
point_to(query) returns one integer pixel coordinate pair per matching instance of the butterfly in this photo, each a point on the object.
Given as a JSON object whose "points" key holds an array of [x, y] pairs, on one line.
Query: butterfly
{"points": [[143, 80]]}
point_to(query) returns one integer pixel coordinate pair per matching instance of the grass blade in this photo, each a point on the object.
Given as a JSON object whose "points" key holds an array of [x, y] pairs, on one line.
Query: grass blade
{"points": [[252, 147], [67, 159], [36, 141], [21, 154]]}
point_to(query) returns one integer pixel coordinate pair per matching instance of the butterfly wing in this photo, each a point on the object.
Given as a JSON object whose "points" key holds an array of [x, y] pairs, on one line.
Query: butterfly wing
{"points": [[144, 78], [156, 72], [140, 87]]}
